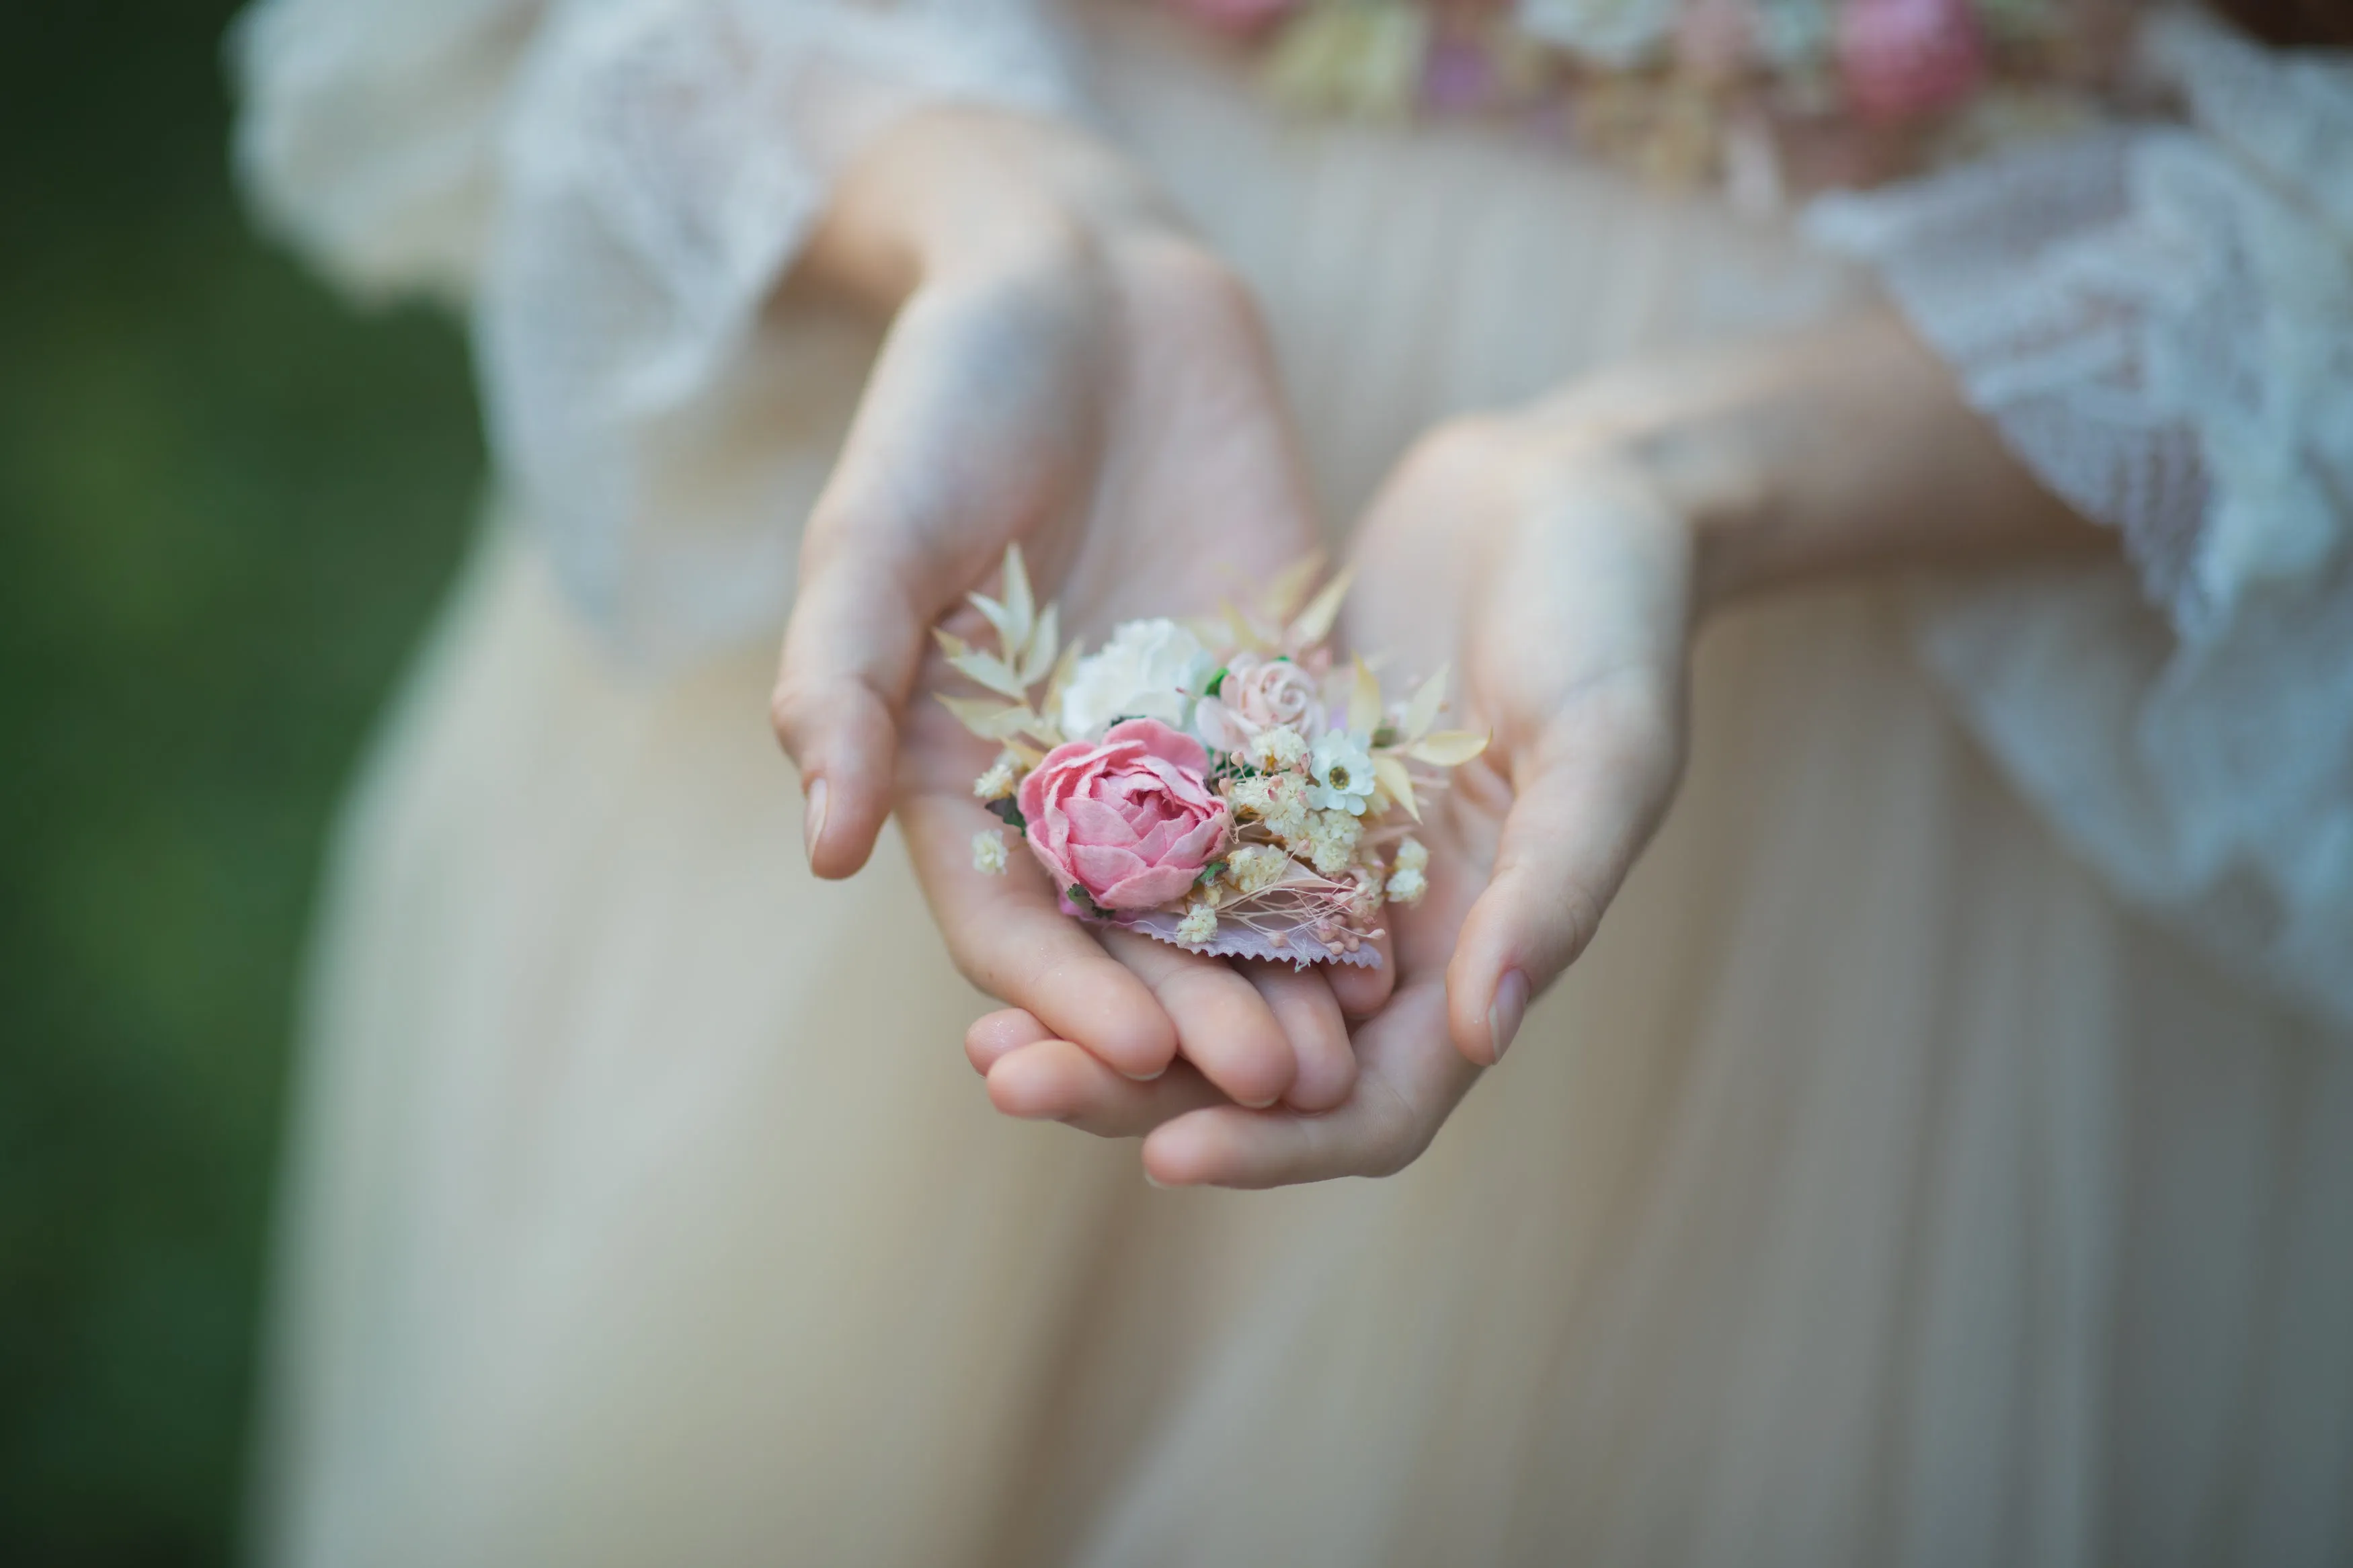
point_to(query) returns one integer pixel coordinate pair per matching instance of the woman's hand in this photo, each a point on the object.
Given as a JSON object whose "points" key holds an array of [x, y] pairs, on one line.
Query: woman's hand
{"points": [[1065, 369], [1561, 557], [1558, 582]]}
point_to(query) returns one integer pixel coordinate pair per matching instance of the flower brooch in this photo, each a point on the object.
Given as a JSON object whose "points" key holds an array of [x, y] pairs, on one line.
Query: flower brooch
{"points": [[1227, 786]]}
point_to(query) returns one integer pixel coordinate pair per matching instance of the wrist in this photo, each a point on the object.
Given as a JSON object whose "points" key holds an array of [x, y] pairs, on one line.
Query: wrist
{"points": [[1685, 436], [1837, 451], [957, 193]]}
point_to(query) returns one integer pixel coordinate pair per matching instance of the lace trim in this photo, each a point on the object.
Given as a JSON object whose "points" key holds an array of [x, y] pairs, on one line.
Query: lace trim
{"points": [[2159, 322]]}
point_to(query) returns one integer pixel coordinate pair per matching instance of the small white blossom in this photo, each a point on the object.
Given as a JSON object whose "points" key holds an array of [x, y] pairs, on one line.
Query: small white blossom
{"points": [[1407, 885], [1331, 841], [1254, 868], [1287, 815], [1149, 669], [1278, 749], [1343, 769], [1200, 925], [1278, 800], [1412, 855], [988, 851], [996, 782]]}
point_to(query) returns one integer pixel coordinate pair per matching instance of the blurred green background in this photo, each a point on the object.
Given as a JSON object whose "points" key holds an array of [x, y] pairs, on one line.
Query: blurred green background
{"points": [[227, 506]]}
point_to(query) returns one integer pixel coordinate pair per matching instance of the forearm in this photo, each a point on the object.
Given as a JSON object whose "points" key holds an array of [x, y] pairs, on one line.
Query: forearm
{"points": [[1840, 449]]}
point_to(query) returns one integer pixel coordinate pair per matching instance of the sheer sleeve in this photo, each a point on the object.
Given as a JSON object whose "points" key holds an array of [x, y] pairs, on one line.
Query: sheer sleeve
{"points": [[618, 187], [2159, 322]]}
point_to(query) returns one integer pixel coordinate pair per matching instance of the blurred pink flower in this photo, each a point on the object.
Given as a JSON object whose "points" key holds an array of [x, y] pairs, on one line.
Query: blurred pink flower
{"points": [[1131, 819], [1904, 58]]}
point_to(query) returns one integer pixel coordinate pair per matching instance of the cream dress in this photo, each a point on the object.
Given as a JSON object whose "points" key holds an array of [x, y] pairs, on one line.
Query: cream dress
{"points": [[1877, 1191]]}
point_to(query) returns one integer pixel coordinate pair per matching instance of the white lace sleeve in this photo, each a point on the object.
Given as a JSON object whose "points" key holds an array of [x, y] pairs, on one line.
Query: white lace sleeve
{"points": [[367, 132], [620, 186], [2159, 322]]}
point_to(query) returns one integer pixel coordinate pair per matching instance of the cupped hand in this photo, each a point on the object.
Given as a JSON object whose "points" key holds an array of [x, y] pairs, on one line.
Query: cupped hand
{"points": [[1070, 372], [1559, 556], [1558, 578]]}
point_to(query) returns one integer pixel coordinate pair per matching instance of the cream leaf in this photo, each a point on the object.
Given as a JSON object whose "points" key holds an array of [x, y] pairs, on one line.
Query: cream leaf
{"points": [[1447, 748], [1397, 781]]}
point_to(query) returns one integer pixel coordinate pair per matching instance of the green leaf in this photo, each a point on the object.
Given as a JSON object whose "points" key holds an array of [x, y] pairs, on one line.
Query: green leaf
{"points": [[1009, 812]]}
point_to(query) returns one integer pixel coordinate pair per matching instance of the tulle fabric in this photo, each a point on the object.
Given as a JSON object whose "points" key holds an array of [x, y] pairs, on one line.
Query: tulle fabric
{"points": [[1876, 1192]]}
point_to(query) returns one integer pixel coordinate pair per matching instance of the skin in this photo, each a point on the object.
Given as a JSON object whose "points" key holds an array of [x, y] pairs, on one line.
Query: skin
{"points": [[1563, 557], [1065, 368]]}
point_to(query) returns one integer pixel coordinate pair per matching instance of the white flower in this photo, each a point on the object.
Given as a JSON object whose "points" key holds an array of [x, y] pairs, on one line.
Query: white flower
{"points": [[1149, 669], [1254, 868], [1200, 925], [996, 782], [1407, 885], [1278, 749], [1331, 841], [1342, 770], [1411, 855], [988, 851]]}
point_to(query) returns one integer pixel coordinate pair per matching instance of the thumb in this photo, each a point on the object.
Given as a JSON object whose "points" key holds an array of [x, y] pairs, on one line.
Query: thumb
{"points": [[1585, 803]]}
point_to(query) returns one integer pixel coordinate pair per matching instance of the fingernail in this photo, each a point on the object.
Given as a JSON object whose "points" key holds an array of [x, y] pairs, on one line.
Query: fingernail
{"points": [[1504, 1014], [813, 818], [1152, 1181]]}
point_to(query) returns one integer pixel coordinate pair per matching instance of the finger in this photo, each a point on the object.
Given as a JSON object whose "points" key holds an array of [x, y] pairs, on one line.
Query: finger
{"points": [[1309, 1017], [1363, 990], [850, 651], [1007, 937], [1223, 1025], [1582, 810], [994, 1035], [1054, 1081], [963, 440], [1410, 1077]]}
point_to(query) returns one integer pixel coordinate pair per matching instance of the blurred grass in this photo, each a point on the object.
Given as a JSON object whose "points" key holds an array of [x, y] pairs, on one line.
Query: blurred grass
{"points": [[227, 508]]}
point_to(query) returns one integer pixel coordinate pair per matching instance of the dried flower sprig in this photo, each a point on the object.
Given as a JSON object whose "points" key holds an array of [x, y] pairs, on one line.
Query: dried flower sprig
{"points": [[1225, 785]]}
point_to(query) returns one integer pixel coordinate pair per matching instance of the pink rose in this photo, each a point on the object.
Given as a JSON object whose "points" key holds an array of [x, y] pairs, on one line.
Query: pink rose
{"points": [[1904, 58], [1257, 694], [1130, 818]]}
